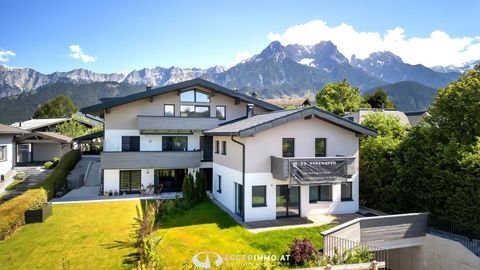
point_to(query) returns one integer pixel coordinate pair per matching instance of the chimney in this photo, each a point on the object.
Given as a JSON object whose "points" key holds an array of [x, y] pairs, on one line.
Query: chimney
{"points": [[19, 123], [148, 88], [250, 110]]}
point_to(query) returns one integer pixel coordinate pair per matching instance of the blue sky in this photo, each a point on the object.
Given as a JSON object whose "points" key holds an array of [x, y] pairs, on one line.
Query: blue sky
{"points": [[115, 36]]}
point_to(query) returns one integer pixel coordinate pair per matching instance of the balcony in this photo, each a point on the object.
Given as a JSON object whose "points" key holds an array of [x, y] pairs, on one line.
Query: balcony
{"points": [[151, 159], [151, 122], [315, 170]]}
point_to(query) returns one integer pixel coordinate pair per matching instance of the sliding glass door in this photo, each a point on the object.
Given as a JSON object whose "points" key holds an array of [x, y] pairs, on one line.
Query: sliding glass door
{"points": [[288, 201], [130, 181]]}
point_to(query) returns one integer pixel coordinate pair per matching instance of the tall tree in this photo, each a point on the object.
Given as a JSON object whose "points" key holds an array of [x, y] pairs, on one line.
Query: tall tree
{"points": [[379, 99], [339, 98], [61, 106], [72, 128]]}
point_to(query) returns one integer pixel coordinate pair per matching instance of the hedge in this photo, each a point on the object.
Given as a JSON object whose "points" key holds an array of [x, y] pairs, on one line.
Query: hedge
{"points": [[58, 177], [12, 212]]}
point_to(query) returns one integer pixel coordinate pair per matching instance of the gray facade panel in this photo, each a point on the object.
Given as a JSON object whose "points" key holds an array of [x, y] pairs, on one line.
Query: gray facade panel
{"points": [[147, 122], [146, 160], [393, 227]]}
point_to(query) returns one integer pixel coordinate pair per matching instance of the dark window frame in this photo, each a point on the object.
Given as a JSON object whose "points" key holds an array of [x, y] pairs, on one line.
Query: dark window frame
{"points": [[324, 154], [130, 177], [350, 197], [217, 146], [164, 110], [224, 148], [319, 194], [224, 112], [4, 153], [264, 203], [130, 143], [164, 138], [194, 90], [286, 154], [194, 111], [219, 184]]}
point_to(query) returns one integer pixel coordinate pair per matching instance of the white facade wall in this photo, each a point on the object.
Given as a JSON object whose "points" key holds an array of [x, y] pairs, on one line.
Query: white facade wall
{"points": [[259, 149], [113, 140], [229, 178], [7, 165]]}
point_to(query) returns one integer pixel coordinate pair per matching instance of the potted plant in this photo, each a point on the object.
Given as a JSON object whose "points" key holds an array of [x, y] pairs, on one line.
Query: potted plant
{"points": [[38, 213]]}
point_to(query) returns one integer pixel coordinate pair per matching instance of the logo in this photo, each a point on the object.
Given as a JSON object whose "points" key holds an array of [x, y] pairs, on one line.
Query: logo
{"points": [[204, 262]]}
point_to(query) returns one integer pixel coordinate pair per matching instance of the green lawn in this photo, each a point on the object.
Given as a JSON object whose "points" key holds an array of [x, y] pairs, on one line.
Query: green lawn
{"points": [[86, 236], [205, 227], [93, 236]]}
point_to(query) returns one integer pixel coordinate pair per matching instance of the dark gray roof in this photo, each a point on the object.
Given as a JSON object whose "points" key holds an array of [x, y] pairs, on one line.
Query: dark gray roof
{"points": [[91, 136], [9, 130], [416, 113], [97, 109], [258, 123]]}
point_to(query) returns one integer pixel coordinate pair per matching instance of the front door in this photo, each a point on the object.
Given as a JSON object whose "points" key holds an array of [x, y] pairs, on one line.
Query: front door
{"points": [[130, 181], [288, 201]]}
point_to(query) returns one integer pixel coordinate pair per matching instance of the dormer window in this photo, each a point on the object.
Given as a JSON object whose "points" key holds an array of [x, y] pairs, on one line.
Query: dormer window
{"points": [[194, 95]]}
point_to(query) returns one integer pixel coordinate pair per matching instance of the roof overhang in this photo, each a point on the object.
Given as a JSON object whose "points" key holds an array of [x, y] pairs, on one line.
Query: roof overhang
{"points": [[98, 109], [305, 113]]}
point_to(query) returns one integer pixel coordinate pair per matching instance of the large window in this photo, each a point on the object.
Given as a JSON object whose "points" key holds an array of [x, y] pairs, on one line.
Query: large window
{"points": [[320, 193], [288, 147], [194, 96], [130, 143], [219, 184], [130, 181], [221, 112], [194, 111], [174, 143], [347, 191], [224, 147], [259, 196], [3, 152], [169, 110], [320, 147]]}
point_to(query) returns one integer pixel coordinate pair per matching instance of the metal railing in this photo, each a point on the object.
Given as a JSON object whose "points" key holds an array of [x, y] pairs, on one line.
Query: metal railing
{"points": [[340, 250], [456, 231]]}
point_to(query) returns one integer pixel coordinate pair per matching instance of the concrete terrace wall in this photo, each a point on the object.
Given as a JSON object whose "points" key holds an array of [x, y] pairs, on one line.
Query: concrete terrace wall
{"points": [[441, 253]]}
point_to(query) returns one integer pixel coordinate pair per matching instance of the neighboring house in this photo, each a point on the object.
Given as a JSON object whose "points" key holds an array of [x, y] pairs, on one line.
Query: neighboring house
{"points": [[43, 143], [291, 162], [156, 136], [359, 115], [7, 149], [415, 117], [287, 163], [289, 102]]}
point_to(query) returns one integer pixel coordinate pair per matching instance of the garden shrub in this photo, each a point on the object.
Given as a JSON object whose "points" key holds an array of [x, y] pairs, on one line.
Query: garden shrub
{"points": [[302, 252], [20, 176], [12, 212], [48, 165], [58, 177], [13, 185]]}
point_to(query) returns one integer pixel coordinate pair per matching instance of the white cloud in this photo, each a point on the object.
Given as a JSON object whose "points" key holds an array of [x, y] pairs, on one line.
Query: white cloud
{"points": [[5, 55], [437, 49], [243, 55], [77, 53]]}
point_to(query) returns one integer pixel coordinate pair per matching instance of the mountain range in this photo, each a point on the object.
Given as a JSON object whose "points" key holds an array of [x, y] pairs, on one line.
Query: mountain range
{"points": [[276, 71]]}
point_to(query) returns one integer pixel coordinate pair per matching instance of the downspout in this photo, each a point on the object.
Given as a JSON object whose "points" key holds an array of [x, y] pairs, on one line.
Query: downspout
{"points": [[243, 176]]}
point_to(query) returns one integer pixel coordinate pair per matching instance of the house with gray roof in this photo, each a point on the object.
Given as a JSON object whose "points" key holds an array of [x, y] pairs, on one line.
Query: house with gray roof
{"points": [[7, 149], [261, 162]]}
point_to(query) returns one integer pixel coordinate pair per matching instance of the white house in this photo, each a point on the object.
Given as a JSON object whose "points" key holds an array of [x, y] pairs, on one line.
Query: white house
{"points": [[7, 149], [287, 163], [262, 162]]}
